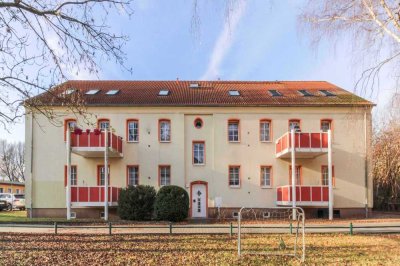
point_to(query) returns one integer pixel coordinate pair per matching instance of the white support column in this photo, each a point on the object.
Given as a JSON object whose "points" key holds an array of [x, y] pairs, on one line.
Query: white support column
{"points": [[292, 137], [330, 183], [106, 174], [68, 192]]}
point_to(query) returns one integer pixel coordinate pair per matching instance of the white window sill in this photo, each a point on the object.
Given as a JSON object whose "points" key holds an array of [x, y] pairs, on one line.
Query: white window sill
{"points": [[266, 187], [266, 141], [234, 141], [199, 164], [133, 141], [234, 187], [165, 141]]}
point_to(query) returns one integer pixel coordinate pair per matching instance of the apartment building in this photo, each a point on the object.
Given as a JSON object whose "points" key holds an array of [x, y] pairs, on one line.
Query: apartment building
{"points": [[228, 143]]}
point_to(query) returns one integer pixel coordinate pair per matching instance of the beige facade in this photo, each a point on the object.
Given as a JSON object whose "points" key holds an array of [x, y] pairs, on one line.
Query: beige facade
{"points": [[46, 147]]}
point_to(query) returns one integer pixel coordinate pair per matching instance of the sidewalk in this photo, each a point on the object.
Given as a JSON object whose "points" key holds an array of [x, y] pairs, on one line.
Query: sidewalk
{"points": [[373, 227]]}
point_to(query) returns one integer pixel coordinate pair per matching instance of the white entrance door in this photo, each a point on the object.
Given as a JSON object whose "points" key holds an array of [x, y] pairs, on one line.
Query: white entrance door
{"points": [[199, 197]]}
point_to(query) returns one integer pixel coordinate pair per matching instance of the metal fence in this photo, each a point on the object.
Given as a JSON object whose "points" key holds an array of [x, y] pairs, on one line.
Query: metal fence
{"points": [[115, 228]]}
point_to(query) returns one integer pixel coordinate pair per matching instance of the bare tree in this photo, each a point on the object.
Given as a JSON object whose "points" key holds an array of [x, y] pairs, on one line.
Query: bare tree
{"points": [[12, 160], [371, 26], [43, 41]]}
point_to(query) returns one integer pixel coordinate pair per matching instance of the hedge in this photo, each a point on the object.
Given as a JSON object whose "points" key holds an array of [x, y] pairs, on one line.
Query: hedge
{"points": [[136, 203], [172, 204]]}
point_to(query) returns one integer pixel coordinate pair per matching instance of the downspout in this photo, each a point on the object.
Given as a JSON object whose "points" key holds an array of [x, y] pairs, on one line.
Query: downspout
{"points": [[31, 169], [366, 162]]}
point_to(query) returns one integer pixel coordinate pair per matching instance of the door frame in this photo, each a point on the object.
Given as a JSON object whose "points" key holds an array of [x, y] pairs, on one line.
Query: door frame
{"points": [[191, 199]]}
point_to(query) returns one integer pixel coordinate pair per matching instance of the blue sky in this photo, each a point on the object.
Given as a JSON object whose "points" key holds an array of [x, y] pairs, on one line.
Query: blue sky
{"points": [[260, 41]]}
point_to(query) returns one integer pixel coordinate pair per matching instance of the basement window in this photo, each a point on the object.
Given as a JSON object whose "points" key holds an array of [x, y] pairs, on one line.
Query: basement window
{"points": [[112, 92], [275, 93], [163, 93], [92, 92], [234, 93], [235, 214], [327, 93], [305, 93]]}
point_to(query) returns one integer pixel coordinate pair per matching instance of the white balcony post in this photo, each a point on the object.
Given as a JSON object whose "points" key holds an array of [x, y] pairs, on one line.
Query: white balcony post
{"points": [[330, 175], [293, 174], [106, 174], [68, 192]]}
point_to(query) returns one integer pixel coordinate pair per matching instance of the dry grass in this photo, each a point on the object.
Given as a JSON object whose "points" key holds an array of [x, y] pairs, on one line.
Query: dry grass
{"points": [[22, 249]]}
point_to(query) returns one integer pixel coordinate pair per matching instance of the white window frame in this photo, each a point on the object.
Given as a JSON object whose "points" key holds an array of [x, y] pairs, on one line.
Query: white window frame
{"points": [[264, 176], [165, 175], [233, 133], [265, 131], [102, 176], [234, 176], [293, 122], [74, 180], [165, 130], [104, 124], [133, 176], [199, 151], [133, 131], [329, 125]]}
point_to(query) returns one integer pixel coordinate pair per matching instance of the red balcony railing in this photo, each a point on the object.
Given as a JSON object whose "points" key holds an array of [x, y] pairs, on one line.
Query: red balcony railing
{"points": [[93, 196], [93, 139], [306, 195], [302, 141]]}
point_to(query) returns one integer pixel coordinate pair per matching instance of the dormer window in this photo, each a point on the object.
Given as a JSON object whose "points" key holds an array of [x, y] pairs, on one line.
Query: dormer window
{"points": [[163, 93], [194, 85], [275, 93], [327, 93], [92, 92], [305, 93], [234, 93]]}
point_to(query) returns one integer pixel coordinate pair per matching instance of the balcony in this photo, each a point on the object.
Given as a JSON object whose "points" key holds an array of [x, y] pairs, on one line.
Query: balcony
{"points": [[305, 196], [91, 144], [307, 145], [93, 196]]}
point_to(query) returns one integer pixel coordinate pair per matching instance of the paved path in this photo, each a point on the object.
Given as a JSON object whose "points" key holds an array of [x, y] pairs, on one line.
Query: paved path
{"points": [[382, 227]]}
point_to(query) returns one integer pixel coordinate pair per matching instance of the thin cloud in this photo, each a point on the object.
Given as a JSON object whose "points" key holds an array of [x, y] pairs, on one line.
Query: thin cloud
{"points": [[224, 41]]}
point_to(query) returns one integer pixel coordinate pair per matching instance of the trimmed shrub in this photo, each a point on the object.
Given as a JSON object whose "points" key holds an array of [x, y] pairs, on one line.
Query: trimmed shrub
{"points": [[172, 204], [136, 203]]}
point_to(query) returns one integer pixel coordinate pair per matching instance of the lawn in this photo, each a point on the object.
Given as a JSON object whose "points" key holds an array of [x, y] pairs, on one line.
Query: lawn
{"points": [[21, 249]]}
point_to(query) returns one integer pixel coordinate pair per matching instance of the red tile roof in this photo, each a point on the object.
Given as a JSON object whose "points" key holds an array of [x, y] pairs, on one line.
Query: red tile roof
{"points": [[209, 93]]}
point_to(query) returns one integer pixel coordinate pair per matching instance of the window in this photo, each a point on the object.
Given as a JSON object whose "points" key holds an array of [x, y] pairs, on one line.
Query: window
{"points": [[233, 130], [305, 93], [17, 191], [132, 175], [327, 93], [71, 123], [92, 92], [112, 92], [132, 130], [101, 175], [298, 175], [164, 175], [275, 93], [294, 124], [103, 124], [265, 130], [9, 190], [194, 85], [325, 175], [234, 93], [326, 124], [266, 176], [74, 175], [198, 123], [1, 190], [165, 130], [67, 92], [234, 176], [163, 93], [199, 152]]}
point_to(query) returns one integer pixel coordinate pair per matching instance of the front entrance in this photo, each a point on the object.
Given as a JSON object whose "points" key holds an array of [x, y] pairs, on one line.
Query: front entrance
{"points": [[199, 200]]}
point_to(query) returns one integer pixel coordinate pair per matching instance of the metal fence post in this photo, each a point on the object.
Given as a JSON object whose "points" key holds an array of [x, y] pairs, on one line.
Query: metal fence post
{"points": [[351, 229], [170, 228], [55, 228], [231, 230], [109, 228], [291, 228]]}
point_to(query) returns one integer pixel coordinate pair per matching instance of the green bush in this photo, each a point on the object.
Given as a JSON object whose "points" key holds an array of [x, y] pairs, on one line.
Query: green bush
{"points": [[136, 203], [172, 204]]}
